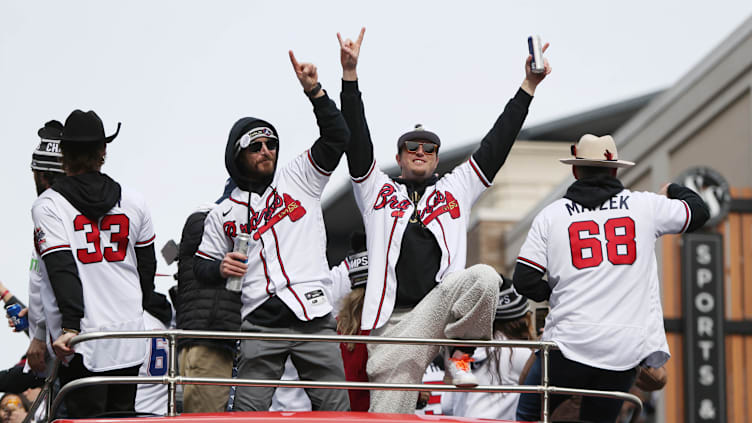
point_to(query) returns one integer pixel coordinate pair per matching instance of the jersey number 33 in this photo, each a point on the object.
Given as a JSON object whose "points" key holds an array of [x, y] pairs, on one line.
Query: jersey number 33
{"points": [[116, 225]]}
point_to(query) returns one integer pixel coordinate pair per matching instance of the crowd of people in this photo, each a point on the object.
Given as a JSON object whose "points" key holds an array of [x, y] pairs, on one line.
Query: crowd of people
{"points": [[406, 276]]}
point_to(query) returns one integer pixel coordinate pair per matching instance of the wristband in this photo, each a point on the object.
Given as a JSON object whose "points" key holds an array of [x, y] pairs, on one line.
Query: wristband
{"points": [[4, 294], [315, 90], [73, 331]]}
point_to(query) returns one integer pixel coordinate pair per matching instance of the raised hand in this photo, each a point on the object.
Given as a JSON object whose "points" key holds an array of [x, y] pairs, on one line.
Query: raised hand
{"points": [[349, 51], [533, 79], [306, 73]]}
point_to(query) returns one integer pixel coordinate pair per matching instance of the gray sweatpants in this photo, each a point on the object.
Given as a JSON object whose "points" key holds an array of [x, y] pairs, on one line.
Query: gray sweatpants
{"points": [[462, 306], [313, 360]]}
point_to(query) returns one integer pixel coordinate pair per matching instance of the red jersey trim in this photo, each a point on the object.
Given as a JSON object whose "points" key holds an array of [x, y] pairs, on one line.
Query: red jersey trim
{"points": [[689, 213], [57, 247], [266, 273], [148, 241], [363, 178], [531, 263], [203, 254], [287, 278], [238, 201], [480, 174], [443, 234], [386, 274], [317, 167]]}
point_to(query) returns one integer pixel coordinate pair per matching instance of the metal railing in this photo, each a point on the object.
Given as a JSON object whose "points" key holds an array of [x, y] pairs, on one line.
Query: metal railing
{"points": [[172, 379]]}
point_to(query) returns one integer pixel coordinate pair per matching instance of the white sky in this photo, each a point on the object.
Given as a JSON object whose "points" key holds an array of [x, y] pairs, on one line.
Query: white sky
{"points": [[178, 73]]}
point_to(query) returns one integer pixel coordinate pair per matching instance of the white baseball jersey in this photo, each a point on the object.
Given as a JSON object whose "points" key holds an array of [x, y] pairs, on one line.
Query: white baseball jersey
{"points": [[386, 208], [37, 273], [105, 257], [287, 254], [43, 304], [152, 399], [490, 405], [290, 399], [340, 286], [605, 302]]}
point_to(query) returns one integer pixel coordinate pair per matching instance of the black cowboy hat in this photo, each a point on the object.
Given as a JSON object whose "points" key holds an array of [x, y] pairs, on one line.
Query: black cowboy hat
{"points": [[52, 130], [85, 127]]}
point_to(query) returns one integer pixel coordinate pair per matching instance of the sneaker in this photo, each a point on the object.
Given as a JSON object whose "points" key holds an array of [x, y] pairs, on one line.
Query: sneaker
{"points": [[458, 371]]}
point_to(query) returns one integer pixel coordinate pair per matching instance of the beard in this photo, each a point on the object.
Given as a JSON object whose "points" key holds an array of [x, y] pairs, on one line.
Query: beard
{"points": [[256, 172]]}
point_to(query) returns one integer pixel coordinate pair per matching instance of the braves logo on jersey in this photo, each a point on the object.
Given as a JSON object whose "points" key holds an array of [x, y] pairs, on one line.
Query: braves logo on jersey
{"points": [[39, 239], [292, 209], [437, 204]]}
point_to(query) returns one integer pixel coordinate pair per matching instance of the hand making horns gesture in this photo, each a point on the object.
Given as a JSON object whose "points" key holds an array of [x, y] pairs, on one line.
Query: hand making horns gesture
{"points": [[349, 51], [307, 75]]}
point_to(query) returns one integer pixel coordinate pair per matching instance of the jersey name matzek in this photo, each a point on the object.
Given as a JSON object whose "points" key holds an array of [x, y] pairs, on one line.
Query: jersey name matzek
{"points": [[618, 202]]}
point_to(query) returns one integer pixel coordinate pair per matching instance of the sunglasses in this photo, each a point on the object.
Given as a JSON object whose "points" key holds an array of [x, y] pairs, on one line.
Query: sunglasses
{"points": [[428, 148], [255, 147]]}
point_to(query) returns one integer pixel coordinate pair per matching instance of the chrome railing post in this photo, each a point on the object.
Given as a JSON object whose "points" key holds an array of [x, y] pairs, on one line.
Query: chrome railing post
{"points": [[544, 382], [172, 375]]}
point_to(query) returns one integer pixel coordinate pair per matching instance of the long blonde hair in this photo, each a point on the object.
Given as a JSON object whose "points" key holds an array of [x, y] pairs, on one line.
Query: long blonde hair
{"points": [[348, 320], [517, 329]]}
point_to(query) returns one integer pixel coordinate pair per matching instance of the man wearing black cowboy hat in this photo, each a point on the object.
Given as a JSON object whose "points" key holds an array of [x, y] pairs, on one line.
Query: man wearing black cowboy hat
{"points": [[96, 241]]}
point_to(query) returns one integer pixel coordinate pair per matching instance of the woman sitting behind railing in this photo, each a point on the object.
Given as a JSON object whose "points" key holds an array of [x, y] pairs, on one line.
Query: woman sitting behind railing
{"points": [[355, 356], [499, 365]]}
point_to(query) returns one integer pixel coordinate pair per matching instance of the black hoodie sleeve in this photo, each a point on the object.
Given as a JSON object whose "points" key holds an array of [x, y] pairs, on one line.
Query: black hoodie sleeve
{"points": [[207, 270], [360, 149], [529, 282], [63, 274], [697, 207], [146, 264], [333, 133], [495, 146]]}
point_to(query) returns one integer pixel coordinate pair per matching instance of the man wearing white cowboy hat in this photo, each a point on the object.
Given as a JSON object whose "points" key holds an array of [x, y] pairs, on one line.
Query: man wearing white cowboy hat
{"points": [[597, 246]]}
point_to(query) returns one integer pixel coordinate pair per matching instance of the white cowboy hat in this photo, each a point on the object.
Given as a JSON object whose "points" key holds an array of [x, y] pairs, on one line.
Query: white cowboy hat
{"points": [[596, 151]]}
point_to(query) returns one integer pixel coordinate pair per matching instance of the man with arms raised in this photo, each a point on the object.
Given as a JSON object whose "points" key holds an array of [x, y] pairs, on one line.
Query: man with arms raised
{"points": [[416, 228], [286, 275]]}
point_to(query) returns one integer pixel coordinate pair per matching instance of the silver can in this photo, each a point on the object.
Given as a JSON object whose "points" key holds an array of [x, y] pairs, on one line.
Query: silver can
{"points": [[535, 48], [242, 245]]}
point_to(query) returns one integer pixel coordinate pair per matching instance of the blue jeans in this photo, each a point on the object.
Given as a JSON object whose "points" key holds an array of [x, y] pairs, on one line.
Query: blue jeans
{"points": [[565, 373]]}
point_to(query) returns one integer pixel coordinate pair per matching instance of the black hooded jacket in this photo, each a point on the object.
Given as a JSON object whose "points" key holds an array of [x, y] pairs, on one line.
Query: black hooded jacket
{"points": [[93, 194], [326, 151], [201, 305]]}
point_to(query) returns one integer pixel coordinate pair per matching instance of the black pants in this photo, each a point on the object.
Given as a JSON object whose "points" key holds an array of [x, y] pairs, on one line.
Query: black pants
{"points": [[565, 373], [92, 401]]}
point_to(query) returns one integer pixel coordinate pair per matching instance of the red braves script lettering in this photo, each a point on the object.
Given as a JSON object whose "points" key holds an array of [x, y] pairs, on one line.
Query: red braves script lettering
{"points": [[386, 198], [230, 229], [265, 219], [437, 204]]}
